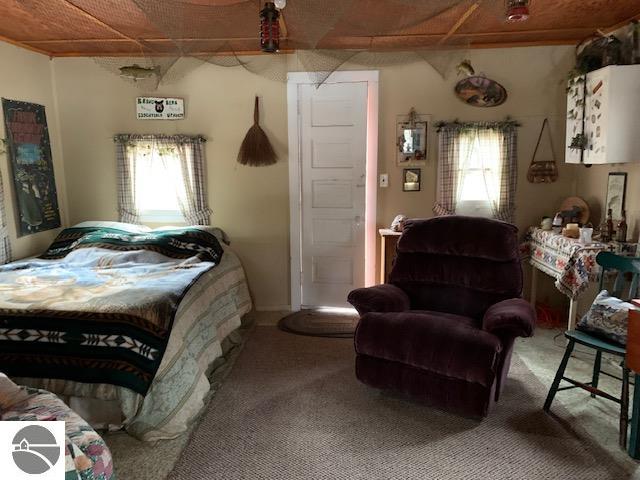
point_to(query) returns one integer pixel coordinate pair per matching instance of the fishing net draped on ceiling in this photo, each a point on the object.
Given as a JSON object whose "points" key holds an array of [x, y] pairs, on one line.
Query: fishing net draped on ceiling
{"points": [[169, 38]]}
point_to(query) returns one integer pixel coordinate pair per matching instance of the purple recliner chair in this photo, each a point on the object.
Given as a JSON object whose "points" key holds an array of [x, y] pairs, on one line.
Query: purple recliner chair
{"points": [[443, 329]]}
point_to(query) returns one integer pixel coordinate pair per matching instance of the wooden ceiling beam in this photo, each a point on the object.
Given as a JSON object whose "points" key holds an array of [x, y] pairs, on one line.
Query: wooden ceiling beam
{"points": [[463, 18], [24, 45], [287, 51], [579, 30], [126, 40], [168, 54]]}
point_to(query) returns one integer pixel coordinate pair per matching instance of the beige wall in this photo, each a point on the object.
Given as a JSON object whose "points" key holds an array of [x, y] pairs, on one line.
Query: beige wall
{"points": [[534, 79], [27, 76], [251, 204], [592, 186]]}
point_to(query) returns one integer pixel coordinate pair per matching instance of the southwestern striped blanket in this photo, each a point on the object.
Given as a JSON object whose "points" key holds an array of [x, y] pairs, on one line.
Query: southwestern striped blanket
{"points": [[99, 305]]}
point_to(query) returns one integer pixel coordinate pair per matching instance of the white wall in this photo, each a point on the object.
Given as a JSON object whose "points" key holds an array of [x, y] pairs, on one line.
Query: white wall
{"points": [[27, 76]]}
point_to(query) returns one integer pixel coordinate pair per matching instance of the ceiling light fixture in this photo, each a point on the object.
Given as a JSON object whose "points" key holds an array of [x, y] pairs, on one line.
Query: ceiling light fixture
{"points": [[269, 28], [517, 10], [280, 4]]}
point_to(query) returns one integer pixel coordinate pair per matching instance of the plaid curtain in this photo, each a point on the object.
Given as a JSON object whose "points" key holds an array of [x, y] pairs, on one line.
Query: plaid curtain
{"points": [[191, 189], [450, 165], [194, 206], [5, 243], [506, 210], [125, 157]]}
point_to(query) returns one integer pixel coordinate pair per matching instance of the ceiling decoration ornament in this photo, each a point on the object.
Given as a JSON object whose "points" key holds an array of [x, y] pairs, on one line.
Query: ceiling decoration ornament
{"points": [[269, 28], [517, 10]]}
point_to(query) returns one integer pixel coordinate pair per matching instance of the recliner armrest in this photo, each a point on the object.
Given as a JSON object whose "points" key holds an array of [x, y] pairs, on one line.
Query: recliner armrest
{"points": [[380, 298], [514, 317]]}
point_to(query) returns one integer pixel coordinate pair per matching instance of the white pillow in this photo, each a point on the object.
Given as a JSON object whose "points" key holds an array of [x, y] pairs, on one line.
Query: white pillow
{"points": [[129, 227]]}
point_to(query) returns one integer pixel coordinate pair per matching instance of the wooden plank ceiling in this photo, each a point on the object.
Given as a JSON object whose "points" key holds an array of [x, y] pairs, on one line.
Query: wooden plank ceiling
{"points": [[203, 27]]}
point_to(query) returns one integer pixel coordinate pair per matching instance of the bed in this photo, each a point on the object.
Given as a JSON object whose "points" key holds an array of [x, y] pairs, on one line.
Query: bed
{"points": [[127, 320]]}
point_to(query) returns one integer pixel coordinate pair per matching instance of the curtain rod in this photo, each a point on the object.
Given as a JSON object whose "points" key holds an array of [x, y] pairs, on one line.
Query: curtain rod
{"points": [[508, 122]]}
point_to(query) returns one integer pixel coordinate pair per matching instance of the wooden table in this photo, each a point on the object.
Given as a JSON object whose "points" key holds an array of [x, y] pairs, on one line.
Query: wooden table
{"points": [[388, 240]]}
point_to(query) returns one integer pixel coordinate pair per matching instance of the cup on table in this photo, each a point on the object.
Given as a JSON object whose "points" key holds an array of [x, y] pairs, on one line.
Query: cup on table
{"points": [[586, 234]]}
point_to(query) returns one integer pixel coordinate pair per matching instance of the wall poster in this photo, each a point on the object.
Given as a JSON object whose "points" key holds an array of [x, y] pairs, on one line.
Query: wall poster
{"points": [[29, 151]]}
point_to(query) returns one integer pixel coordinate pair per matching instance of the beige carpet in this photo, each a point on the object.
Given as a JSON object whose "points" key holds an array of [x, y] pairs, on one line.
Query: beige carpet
{"points": [[292, 409]]}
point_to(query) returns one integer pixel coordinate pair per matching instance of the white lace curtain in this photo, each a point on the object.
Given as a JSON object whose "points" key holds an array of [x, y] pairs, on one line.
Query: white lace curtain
{"points": [[132, 151], [477, 169]]}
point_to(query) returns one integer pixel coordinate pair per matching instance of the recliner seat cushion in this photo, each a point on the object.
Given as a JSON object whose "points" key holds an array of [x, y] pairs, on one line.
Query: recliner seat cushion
{"points": [[442, 343]]}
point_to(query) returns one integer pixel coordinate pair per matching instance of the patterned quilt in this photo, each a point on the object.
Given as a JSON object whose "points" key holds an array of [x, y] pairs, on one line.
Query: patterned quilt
{"points": [[86, 455], [99, 305]]}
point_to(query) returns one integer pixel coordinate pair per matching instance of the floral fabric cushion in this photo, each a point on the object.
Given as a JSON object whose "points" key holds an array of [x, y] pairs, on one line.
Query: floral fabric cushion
{"points": [[607, 318], [86, 455]]}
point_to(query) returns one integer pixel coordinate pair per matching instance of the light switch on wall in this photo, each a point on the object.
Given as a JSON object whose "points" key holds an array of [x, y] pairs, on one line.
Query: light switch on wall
{"points": [[384, 180]]}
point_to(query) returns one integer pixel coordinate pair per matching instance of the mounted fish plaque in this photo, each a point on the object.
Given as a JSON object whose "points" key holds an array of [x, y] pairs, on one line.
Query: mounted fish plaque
{"points": [[157, 108]]}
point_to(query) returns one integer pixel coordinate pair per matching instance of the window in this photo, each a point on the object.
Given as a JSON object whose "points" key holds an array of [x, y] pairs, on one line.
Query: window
{"points": [[477, 169], [479, 173], [158, 183], [161, 179]]}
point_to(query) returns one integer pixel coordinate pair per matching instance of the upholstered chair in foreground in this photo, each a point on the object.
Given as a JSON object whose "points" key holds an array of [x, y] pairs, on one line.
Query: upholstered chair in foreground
{"points": [[443, 329]]}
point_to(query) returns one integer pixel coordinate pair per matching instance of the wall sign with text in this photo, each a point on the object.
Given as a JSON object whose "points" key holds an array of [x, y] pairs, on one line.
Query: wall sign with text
{"points": [[157, 108]]}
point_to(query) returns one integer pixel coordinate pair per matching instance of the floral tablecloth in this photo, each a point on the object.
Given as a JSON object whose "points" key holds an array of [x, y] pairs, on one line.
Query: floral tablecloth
{"points": [[571, 263]]}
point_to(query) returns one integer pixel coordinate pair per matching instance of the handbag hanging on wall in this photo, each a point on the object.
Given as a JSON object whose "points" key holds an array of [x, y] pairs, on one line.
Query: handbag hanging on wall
{"points": [[543, 171]]}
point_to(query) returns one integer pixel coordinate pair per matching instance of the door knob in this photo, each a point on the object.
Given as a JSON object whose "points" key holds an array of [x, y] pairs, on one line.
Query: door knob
{"points": [[357, 220]]}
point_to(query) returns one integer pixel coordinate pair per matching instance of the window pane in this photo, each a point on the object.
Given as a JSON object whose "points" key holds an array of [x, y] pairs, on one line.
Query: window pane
{"points": [[480, 170], [156, 180]]}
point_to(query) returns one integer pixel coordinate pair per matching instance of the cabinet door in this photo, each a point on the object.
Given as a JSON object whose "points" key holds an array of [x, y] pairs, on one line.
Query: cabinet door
{"points": [[575, 97], [596, 121]]}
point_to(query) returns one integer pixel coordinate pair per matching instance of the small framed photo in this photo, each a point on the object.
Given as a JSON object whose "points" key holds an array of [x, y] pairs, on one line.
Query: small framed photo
{"points": [[616, 193], [411, 180]]}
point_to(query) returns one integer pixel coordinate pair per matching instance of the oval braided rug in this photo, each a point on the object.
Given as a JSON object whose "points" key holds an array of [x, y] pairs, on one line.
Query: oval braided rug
{"points": [[319, 323]]}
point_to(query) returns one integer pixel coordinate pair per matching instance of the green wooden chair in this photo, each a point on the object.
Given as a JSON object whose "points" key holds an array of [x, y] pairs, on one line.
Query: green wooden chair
{"points": [[624, 266]]}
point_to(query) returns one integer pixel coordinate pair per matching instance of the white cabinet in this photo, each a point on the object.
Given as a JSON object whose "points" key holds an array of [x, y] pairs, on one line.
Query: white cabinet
{"points": [[604, 106]]}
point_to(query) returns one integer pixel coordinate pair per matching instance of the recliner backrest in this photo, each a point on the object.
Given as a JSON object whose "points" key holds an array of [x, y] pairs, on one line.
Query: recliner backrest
{"points": [[458, 264]]}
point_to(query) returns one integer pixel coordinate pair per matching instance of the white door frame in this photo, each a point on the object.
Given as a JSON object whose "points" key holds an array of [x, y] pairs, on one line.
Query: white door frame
{"points": [[295, 200]]}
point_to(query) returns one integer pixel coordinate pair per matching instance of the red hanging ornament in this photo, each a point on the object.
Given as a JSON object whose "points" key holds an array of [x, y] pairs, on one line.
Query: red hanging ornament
{"points": [[269, 28], [517, 10]]}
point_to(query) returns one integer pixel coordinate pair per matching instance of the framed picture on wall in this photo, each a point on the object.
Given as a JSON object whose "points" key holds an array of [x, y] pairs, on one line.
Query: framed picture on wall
{"points": [[411, 180], [616, 193], [29, 151]]}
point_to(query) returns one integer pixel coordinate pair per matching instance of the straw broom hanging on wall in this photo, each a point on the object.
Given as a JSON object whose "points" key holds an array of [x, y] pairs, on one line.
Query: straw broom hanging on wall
{"points": [[256, 149]]}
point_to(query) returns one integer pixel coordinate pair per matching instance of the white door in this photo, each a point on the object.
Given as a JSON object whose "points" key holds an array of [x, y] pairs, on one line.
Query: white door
{"points": [[333, 148]]}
